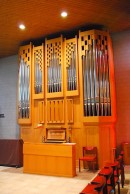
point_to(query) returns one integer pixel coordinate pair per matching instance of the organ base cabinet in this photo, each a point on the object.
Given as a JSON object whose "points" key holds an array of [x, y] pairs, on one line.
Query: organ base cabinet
{"points": [[50, 159]]}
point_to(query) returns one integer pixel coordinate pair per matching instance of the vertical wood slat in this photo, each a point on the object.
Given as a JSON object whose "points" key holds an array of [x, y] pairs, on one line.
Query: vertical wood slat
{"points": [[57, 119], [70, 111], [55, 111], [52, 103], [48, 112], [61, 111], [35, 114], [41, 111]]}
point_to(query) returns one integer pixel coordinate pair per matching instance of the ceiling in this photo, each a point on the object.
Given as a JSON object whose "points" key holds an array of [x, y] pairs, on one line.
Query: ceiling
{"points": [[42, 19]]}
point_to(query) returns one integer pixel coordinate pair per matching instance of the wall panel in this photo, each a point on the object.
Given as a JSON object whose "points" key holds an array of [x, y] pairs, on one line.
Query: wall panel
{"points": [[121, 47]]}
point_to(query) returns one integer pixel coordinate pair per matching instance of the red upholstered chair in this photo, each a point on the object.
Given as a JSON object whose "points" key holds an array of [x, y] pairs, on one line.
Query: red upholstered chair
{"points": [[115, 175], [100, 181], [89, 155], [108, 174], [92, 189]]}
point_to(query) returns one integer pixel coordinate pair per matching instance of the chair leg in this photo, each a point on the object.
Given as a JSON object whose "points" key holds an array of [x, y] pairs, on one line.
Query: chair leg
{"points": [[122, 176], [118, 186]]}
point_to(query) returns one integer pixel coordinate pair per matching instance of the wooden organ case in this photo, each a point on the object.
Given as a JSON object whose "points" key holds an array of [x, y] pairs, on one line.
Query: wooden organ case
{"points": [[72, 87]]}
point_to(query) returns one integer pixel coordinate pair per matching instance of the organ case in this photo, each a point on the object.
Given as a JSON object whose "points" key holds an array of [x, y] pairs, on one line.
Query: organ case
{"points": [[76, 92]]}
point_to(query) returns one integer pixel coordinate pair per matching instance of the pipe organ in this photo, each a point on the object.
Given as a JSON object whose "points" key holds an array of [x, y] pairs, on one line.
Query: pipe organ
{"points": [[69, 83]]}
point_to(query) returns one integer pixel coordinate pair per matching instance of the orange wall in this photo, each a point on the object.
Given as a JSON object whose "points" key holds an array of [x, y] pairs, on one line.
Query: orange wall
{"points": [[121, 49]]}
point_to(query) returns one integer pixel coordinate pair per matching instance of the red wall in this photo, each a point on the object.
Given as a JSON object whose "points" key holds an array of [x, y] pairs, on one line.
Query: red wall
{"points": [[121, 49]]}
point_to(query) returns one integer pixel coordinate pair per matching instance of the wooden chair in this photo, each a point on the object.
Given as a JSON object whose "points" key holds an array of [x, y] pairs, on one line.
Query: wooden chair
{"points": [[90, 156]]}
